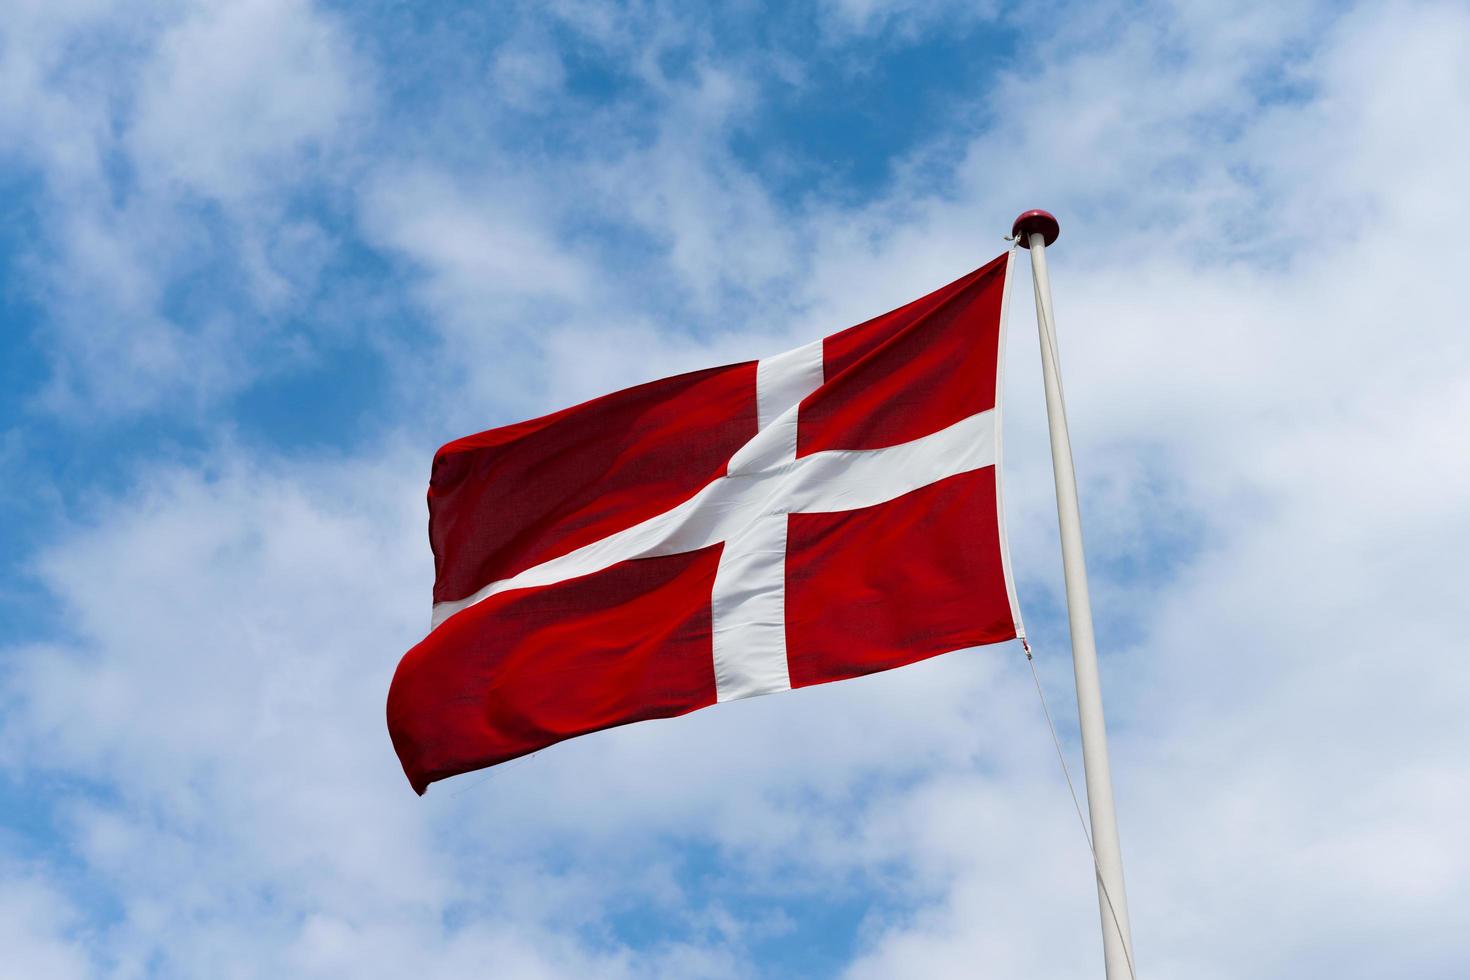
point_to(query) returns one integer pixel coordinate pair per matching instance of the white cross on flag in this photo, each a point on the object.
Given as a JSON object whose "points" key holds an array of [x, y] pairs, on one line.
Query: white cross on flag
{"points": [[818, 515]]}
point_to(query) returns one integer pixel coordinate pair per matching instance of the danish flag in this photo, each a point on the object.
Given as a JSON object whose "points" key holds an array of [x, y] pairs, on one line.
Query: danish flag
{"points": [[818, 515]]}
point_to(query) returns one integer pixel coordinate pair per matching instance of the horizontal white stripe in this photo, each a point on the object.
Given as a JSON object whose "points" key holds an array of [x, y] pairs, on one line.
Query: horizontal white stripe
{"points": [[834, 480]]}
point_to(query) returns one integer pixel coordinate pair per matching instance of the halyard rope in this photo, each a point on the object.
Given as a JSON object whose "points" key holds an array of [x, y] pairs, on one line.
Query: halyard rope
{"points": [[496, 771], [1077, 805]]}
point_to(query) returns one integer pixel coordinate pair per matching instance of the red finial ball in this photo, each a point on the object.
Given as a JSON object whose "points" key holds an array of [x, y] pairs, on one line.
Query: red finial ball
{"points": [[1036, 221]]}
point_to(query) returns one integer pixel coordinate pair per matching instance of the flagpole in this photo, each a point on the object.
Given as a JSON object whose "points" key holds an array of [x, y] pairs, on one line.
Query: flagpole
{"points": [[1035, 230]]}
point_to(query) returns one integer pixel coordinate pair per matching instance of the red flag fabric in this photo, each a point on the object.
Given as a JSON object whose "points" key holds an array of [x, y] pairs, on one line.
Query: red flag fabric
{"points": [[818, 515]]}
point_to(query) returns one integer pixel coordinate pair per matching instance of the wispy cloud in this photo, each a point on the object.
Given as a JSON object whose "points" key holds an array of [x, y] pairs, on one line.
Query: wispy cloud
{"points": [[172, 144]]}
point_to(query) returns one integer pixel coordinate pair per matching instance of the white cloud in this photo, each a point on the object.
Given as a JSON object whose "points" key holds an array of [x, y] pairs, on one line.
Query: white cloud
{"points": [[898, 20], [528, 71], [169, 137], [234, 96], [38, 929], [480, 245]]}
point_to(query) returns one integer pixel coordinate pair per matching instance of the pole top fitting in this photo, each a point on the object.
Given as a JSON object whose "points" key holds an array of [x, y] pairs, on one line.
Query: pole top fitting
{"points": [[1036, 221]]}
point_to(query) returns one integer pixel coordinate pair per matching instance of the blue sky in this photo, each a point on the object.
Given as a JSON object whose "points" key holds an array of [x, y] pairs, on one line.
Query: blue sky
{"points": [[257, 260]]}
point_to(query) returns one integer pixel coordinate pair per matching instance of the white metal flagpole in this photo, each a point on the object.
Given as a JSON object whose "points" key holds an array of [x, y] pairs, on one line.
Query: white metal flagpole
{"points": [[1035, 230]]}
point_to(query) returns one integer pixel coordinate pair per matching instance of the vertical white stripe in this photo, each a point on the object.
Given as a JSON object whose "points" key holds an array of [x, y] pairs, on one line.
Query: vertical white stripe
{"points": [[748, 604], [748, 609], [781, 382]]}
